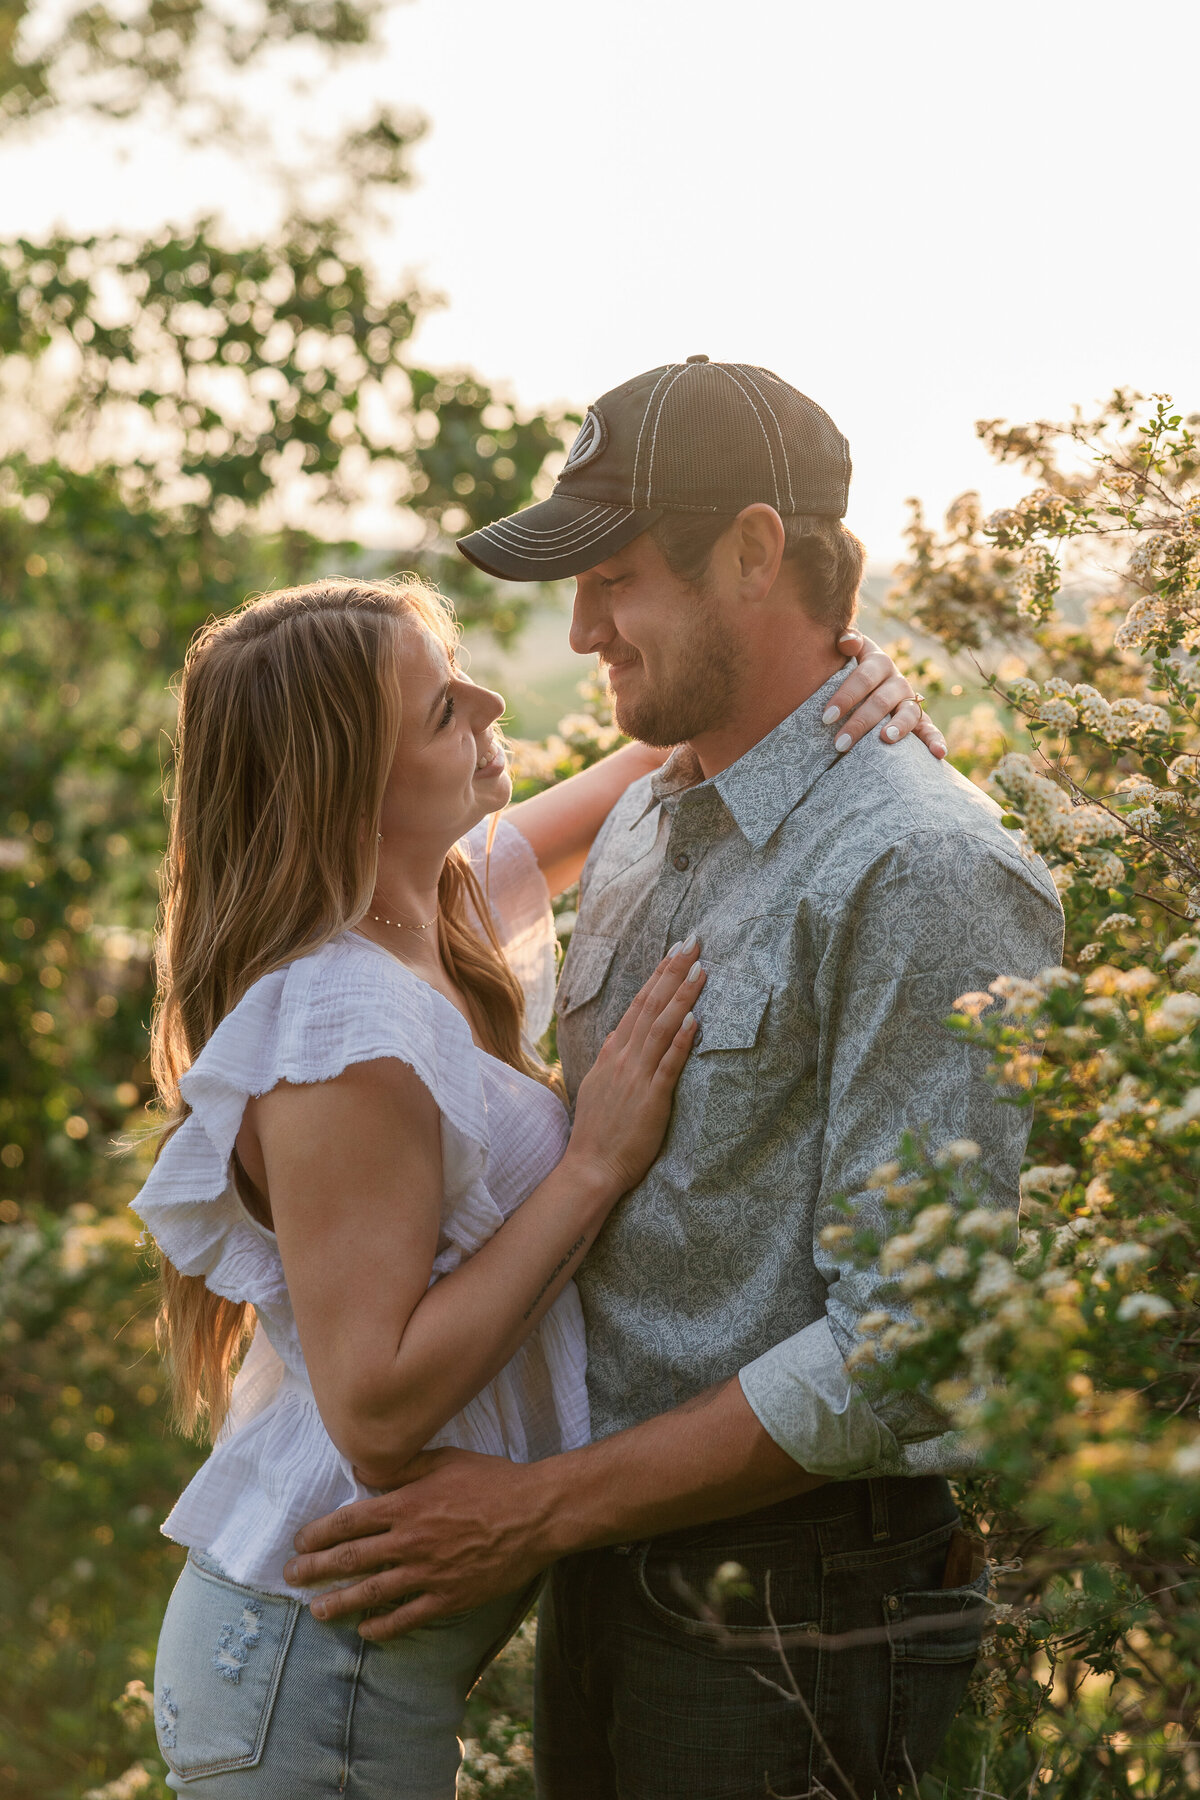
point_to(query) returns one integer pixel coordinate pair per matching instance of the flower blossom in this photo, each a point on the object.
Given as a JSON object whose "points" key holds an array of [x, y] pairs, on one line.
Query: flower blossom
{"points": [[1175, 1017], [1178, 1118], [1144, 1306]]}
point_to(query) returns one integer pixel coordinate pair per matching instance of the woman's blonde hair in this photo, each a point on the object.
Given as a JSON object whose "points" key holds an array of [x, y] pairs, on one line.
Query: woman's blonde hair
{"points": [[289, 718]]}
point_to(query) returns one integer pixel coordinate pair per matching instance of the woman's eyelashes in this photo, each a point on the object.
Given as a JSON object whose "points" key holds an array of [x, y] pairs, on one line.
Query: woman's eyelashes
{"points": [[447, 710]]}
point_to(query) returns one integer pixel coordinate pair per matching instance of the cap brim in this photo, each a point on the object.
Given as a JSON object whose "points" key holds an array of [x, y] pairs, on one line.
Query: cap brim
{"points": [[559, 536]]}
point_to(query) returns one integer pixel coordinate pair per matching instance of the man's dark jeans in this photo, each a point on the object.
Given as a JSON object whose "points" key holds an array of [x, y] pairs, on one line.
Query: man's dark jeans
{"points": [[641, 1697]]}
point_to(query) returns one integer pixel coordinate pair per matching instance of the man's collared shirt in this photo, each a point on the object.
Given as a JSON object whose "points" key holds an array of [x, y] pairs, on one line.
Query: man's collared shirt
{"points": [[842, 905]]}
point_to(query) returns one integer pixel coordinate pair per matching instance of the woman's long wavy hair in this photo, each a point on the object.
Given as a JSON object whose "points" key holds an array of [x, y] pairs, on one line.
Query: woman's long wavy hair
{"points": [[289, 719]]}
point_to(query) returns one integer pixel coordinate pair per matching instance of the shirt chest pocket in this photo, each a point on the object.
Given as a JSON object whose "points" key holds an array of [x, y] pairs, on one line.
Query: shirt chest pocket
{"points": [[587, 965], [727, 1058]]}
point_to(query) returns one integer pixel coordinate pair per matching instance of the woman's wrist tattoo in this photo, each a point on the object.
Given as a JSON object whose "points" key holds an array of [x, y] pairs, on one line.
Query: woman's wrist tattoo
{"points": [[553, 1276]]}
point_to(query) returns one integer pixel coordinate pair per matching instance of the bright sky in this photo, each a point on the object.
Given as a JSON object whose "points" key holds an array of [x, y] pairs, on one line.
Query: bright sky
{"points": [[921, 214]]}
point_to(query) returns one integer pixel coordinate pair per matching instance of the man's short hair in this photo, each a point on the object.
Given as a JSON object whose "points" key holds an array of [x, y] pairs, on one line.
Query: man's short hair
{"points": [[828, 560]]}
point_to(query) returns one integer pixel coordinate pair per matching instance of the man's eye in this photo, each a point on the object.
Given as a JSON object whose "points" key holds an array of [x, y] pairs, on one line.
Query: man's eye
{"points": [[612, 581]]}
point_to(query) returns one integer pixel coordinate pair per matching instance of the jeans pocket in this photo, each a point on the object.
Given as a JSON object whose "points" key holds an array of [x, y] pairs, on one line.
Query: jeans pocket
{"points": [[221, 1652], [934, 1638], [776, 1605]]}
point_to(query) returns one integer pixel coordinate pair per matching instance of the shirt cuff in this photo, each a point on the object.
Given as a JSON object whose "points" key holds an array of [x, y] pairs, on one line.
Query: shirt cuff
{"points": [[803, 1397]]}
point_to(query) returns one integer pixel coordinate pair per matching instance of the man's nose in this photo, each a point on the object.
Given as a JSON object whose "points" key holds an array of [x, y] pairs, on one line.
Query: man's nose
{"points": [[591, 626]]}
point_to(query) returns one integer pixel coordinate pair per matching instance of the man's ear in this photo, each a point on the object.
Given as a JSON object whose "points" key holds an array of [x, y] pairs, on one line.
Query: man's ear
{"points": [[758, 546]]}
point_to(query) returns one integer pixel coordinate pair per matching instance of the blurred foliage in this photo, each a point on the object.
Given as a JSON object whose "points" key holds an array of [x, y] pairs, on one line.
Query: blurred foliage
{"points": [[112, 61], [1075, 1364], [187, 419]]}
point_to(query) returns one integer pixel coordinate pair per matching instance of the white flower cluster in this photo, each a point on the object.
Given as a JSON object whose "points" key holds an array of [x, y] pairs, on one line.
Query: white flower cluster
{"points": [[530, 761], [1155, 617], [1144, 1306], [1175, 1017], [581, 731], [490, 1769], [1175, 1122], [1048, 1178], [1053, 822], [1067, 704], [1037, 583], [1184, 948]]}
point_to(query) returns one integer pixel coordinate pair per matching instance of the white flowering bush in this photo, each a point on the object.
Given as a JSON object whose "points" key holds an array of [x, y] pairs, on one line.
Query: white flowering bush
{"points": [[1064, 1342]]}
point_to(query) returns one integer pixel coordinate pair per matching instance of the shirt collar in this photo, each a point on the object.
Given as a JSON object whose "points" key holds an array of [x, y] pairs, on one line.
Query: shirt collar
{"points": [[762, 787]]}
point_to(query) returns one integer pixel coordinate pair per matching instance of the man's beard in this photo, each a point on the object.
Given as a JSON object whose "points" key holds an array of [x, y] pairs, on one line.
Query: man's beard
{"points": [[693, 696]]}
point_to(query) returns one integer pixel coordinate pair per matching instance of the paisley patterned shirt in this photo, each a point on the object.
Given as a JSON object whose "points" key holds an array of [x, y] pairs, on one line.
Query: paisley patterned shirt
{"points": [[842, 905]]}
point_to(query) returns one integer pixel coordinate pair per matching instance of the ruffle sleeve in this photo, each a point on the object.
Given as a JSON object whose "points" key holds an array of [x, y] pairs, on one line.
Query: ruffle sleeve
{"points": [[348, 1003], [519, 902]]}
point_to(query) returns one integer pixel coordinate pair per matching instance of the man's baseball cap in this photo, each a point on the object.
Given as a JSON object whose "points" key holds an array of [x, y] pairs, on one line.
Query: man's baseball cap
{"points": [[696, 436]]}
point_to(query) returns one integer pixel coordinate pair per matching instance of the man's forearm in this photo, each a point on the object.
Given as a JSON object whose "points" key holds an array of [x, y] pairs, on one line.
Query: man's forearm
{"points": [[467, 1528], [707, 1459]]}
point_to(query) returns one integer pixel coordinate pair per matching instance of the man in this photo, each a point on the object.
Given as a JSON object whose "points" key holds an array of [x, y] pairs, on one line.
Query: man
{"points": [[841, 908]]}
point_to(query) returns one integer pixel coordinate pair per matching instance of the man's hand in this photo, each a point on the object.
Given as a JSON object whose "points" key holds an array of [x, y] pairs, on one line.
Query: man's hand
{"points": [[462, 1529]]}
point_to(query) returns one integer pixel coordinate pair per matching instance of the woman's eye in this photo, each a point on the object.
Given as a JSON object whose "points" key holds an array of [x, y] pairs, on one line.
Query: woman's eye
{"points": [[448, 709]]}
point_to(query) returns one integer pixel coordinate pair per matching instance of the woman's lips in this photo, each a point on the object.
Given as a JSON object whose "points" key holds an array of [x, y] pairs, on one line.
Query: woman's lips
{"points": [[495, 765]]}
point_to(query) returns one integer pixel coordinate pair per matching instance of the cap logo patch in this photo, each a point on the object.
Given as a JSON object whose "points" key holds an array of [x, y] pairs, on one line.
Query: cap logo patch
{"points": [[590, 442]]}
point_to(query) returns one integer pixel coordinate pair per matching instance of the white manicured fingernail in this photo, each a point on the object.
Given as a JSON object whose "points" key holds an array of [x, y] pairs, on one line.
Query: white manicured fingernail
{"points": [[674, 950], [891, 733], [694, 973], [831, 715], [689, 1019], [842, 743], [688, 945]]}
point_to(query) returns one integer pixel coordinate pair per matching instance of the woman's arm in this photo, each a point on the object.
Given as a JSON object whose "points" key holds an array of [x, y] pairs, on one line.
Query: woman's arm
{"points": [[354, 1176], [560, 824]]}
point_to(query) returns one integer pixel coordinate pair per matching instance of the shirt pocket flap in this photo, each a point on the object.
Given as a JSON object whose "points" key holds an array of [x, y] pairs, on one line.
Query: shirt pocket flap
{"points": [[584, 972], [731, 1014]]}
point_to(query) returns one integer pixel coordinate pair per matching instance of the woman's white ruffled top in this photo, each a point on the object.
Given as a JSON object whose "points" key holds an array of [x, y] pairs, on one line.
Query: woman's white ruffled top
{"points": [[274, 1466]]}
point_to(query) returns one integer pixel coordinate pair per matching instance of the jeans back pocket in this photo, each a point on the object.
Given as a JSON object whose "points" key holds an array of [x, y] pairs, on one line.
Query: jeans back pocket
{"points": [[934, 1638], [221, 1652]]}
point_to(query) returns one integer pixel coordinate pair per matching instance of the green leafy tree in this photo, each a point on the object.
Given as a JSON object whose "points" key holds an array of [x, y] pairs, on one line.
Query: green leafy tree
{"points": [[188, 419]]}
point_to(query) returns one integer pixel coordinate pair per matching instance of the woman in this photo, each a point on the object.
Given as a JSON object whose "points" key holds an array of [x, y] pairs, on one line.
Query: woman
{"points": [[365, 1157]]}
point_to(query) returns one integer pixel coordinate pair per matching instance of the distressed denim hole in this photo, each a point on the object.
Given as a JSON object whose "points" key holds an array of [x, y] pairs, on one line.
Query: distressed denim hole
{"points": [[168, 1718], [235, 1642]]}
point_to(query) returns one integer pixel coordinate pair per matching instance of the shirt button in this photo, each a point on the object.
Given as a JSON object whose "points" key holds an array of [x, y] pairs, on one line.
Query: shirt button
{"points": [[682, 860]]}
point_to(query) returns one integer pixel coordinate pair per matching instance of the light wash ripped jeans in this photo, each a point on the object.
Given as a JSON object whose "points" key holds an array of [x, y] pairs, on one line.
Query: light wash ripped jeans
{"points": [[254, 1699]]}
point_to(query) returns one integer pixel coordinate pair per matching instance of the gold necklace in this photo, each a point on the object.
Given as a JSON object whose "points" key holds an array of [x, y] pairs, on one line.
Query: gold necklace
{"points": [[400, 925]]}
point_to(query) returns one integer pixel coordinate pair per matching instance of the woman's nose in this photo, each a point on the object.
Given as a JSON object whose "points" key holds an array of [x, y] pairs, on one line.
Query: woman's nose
{"points": [[491, 704]]}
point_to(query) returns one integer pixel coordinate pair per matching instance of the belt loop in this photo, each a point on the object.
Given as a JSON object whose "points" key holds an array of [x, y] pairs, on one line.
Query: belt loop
{"points": [[877, 1488]]}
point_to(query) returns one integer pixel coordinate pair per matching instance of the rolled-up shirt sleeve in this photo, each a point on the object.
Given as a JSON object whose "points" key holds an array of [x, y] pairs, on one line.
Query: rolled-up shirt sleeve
{"points": [[940, 914]]}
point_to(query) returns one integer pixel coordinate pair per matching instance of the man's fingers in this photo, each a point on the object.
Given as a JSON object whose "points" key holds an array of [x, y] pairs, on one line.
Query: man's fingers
{"points": [[362, 1519], [419, 1611], [387, 1587]]}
